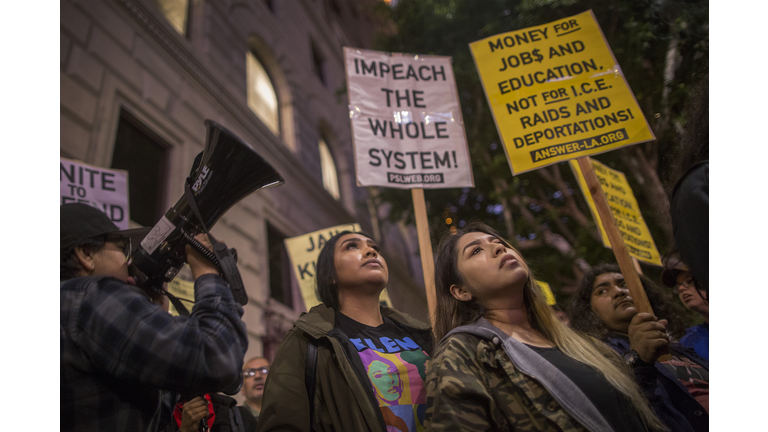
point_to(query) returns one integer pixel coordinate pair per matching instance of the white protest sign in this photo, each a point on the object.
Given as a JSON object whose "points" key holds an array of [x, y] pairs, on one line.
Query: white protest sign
{"points": [[407, 126], [105, 189]]}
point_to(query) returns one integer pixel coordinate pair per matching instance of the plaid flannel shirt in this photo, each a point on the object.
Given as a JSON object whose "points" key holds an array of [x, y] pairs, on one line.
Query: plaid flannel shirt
{"points": [[122, 355]]}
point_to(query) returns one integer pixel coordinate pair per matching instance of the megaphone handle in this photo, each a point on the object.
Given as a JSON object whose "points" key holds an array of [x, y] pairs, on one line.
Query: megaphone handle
{"points": [[202, 250], [224, 259]]}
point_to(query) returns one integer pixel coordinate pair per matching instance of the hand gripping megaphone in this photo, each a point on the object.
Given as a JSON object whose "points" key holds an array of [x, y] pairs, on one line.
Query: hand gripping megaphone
{"points": [[225, 172]]}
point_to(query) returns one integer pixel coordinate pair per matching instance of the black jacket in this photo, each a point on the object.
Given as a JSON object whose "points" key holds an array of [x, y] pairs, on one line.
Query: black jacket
{"points": [[671, 401], [689, 209], [229, 416]]}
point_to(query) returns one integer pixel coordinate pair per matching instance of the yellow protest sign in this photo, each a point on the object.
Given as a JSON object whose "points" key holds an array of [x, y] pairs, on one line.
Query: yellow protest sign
{"points": [[557, 93], [185, 291], [303, 251], [626, 212], [547, 292]]}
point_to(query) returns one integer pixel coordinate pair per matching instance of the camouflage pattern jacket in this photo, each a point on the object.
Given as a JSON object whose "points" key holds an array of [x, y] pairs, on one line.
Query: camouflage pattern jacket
{"points": [[482, 379]]}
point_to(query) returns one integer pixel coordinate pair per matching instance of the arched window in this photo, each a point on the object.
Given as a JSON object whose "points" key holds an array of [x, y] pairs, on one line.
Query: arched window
{"points": [[262, 99], [176, 11], [328, 168]]}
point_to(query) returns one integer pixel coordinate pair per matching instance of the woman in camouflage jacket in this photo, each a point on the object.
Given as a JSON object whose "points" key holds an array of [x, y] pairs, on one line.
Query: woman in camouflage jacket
{"points": [[505, 362]]}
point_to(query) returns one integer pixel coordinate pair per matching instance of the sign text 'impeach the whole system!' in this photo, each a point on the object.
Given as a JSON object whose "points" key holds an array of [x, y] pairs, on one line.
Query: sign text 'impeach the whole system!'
{"points": [[406, 121]]}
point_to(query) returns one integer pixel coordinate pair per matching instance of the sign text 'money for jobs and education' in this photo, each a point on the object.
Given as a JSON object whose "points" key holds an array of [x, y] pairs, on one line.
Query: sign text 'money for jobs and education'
{"points": [[557, 93], [406, 121]]}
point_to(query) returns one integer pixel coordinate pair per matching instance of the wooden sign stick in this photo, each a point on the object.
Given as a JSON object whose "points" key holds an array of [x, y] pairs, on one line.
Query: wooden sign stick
{"points": [[425, 250], [614, 236]]}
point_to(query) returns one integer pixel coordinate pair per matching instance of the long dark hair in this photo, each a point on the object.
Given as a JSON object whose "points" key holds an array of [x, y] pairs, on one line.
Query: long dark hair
{"points": [[450, 312], [583, 319], [325, 271]]}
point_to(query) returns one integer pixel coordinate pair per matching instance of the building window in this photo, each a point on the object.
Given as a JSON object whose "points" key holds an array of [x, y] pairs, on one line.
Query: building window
{"points": [[279, 267], [262, 99], [144, 156], [176, 12], [328, 168], [318, 62]]}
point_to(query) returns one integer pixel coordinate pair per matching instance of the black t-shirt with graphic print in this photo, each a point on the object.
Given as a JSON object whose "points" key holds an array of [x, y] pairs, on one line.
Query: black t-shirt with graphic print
{"points": [[396, 368]]}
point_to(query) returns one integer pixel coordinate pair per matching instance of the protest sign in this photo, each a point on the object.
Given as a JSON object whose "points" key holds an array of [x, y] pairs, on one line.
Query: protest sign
{"points": [[185, 291], [626, 212], [407, 126], [105, 189], [557, 93], [303, 251]]}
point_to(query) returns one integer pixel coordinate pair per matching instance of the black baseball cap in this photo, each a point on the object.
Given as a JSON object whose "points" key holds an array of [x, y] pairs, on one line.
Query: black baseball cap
{"points": [[79, 222]]}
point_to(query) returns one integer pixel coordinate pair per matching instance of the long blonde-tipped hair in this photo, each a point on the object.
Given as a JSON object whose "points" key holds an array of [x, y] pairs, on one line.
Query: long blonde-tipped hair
{"points": [[451, 313]]}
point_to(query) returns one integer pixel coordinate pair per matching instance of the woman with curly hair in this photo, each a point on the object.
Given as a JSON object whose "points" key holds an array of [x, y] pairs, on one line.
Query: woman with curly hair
{"points": [[506, 362], [677, 388]]}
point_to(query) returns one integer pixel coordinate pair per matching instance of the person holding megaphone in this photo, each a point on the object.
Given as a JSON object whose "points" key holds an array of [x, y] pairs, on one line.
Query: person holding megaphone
{"points": [[122, 355]]}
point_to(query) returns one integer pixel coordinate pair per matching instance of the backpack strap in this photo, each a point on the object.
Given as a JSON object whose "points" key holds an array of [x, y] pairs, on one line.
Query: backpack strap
{"points": [[236, 420], [309, 377]]}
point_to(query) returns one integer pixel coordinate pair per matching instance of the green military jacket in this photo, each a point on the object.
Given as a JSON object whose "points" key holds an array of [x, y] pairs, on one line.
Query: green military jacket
{"points": [[343, 400], [472, 384]]}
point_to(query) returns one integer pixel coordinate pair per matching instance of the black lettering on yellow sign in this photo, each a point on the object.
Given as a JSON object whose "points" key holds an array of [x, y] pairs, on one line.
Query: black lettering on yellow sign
{"points": [[638, 252], [568, 48], [545, 116], [619, 201], [621, 213], [518, 39], [636, 241], [600, 103], [578, 127], [551, 74]]}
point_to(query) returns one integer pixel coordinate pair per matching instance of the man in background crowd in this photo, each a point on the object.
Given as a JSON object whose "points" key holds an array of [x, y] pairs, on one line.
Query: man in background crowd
{"points": [[254, 375], [676, 387]]}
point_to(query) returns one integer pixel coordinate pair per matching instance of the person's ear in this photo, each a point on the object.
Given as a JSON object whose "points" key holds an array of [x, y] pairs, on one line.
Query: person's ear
{"points": [[85, 258], [459, 293]]}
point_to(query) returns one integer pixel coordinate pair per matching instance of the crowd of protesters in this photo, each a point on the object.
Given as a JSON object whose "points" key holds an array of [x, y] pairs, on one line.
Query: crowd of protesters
{"points": [[498, 358]]}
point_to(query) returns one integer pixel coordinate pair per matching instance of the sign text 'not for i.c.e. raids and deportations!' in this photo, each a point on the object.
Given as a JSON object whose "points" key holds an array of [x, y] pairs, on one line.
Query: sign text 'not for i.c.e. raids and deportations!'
{"points": [[105, 189], [406, 120], [303, 252], [623, 204], [557, 93]]}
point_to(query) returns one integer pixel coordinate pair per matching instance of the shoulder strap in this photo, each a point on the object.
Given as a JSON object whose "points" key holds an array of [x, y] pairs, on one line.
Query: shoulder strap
{"points": [[309, 377], [236, 420]]}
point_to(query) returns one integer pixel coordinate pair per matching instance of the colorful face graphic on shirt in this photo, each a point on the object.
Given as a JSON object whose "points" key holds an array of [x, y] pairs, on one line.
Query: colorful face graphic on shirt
{"points": [[396, 368], [386, 380], [395, 380]]}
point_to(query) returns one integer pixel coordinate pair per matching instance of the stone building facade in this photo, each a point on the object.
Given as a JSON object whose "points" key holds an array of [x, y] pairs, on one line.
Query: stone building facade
{"points": [[138, 78]]}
